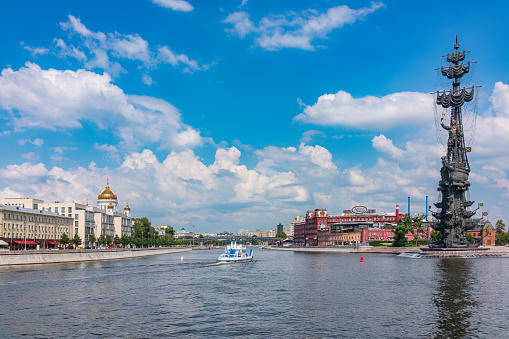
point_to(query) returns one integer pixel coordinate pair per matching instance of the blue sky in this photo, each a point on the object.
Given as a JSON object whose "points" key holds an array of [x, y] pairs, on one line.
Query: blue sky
{"points": [[242, 114]]}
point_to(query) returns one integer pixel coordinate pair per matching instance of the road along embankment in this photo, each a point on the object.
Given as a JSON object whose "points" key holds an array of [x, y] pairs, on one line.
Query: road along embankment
{"points": [[63, 256]]}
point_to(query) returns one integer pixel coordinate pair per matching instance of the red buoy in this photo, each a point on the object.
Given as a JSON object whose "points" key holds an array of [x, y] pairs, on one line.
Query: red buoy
{"points": [[362, 259]]}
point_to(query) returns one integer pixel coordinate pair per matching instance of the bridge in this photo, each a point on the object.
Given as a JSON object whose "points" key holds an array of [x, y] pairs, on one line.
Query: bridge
{"points": [[264, 240]]}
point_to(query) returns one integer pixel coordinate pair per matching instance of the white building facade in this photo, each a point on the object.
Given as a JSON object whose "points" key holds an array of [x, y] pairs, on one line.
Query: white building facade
{"points": [[85, 220]]}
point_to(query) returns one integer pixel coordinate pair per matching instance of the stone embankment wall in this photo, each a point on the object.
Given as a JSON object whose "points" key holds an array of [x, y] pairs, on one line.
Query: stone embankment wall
{"points": [[360, 249], [62, 256]]}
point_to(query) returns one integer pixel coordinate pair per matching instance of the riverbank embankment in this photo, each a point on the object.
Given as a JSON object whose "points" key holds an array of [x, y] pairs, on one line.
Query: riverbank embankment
{"points": [[360, 249], [63, 256]]}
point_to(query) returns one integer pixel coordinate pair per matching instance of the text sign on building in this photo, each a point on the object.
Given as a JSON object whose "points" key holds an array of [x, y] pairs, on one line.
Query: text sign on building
{"points": [[359, 209]]}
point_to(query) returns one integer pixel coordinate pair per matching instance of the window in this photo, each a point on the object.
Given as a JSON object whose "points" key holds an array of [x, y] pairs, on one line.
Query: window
{"points": [[63, 210], [49, 209], [75, 224], [69, 209], [76, 217]]}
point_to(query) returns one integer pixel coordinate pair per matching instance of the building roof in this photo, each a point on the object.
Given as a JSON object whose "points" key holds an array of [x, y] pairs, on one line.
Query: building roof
{"points": [[31, 211]]}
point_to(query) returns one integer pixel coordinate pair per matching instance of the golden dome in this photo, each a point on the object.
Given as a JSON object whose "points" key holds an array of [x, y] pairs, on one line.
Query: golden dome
{"points": [[110, 205], [127, 208], [107, 193]]}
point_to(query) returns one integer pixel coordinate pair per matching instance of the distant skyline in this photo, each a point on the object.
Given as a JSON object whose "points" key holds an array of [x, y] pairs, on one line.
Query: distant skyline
{"points": [[242, 114]]}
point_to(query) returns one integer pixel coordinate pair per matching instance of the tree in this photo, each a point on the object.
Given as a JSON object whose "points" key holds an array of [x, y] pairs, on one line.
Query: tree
{"points": [[91, 239], [419, 229], [500, 227], [107, 240], [281, 235], [116, 240], [169, 230], [76, 240], [201, 236], [101, 240], [401, 230], [64, 239], [436, 236], [469, 237]]}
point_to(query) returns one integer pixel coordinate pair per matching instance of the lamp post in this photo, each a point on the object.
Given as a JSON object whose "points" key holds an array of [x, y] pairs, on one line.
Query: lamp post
{"points": [[25, 230]]}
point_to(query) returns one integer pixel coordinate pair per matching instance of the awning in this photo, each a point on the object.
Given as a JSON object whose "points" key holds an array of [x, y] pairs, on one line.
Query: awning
{"points": [[52, 242], [3, 243], [28, 242]]}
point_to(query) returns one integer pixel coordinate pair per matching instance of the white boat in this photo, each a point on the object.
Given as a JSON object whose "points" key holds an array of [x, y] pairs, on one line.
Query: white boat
{"points": [[235, 253]]}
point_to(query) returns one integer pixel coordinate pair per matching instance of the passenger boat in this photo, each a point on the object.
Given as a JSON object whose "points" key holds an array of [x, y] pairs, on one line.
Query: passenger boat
{"points": [[235, 253]]}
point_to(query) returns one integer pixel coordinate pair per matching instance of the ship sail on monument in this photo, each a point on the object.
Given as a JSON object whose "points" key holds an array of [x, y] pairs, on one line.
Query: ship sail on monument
{"points": [[454, 208]]}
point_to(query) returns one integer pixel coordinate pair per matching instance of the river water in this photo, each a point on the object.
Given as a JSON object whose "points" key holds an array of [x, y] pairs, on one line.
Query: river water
{"points": [[280, 294]]}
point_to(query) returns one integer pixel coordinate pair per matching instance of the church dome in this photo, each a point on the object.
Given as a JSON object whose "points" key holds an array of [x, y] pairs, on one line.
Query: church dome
{"points": [[127, 208], [110, 205], [107, 193]]}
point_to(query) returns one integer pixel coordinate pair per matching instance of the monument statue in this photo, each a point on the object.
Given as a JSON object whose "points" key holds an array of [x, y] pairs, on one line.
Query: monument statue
{"points": [[454, 210]]}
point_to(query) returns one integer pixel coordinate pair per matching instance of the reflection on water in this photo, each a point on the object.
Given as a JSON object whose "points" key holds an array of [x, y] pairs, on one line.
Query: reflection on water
{"points": [[455, 300], [280, 294]]}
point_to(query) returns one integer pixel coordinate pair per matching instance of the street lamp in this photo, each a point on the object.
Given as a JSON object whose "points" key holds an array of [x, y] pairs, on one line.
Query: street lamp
{"points": [[25, 230]]}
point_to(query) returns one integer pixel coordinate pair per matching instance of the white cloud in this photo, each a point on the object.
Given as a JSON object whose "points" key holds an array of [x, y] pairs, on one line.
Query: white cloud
{"points": [[147, 80], [370, 112], [98, 50], [36, 142], [35, 50], [385, 145], [166, 55], [294, 30], [29, 156], [53, 99], [242, 25], [176, 5]]}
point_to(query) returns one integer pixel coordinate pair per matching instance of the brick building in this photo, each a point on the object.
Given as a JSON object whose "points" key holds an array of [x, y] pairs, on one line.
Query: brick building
{"points": [[321, 229]]}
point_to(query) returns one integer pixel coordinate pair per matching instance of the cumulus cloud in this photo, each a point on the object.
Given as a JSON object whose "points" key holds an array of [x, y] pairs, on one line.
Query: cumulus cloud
{"points": [[57, 100], [296, 30], [176, 5], [370, 112], [385, 145]]}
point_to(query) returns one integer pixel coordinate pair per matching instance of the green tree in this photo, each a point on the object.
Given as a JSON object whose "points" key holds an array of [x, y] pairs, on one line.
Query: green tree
{"points": [[201, 236], [107, 240], [436, 236], [169, 231], [76, 240], [500, 227], [125, 240], [101, 240], [64, 239], [281, 235], [469, 237], [401, 230], [142, 231], [116, 240], [419, 229], [91, 239]]}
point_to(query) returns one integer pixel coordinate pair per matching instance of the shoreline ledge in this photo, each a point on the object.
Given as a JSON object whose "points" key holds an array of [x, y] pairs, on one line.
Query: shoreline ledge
{"points": [[361, 249], [64, 256]]}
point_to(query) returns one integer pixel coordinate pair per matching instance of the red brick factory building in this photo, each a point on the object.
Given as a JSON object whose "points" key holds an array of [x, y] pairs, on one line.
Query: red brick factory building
{"points": [[357, 225]]}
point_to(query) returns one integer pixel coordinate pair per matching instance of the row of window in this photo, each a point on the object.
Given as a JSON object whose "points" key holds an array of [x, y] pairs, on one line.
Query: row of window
{"points": [[8, 216], [62, 209]]}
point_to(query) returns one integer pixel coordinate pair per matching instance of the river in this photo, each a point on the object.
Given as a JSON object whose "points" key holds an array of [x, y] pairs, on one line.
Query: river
{"points": [[280, 294]]}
